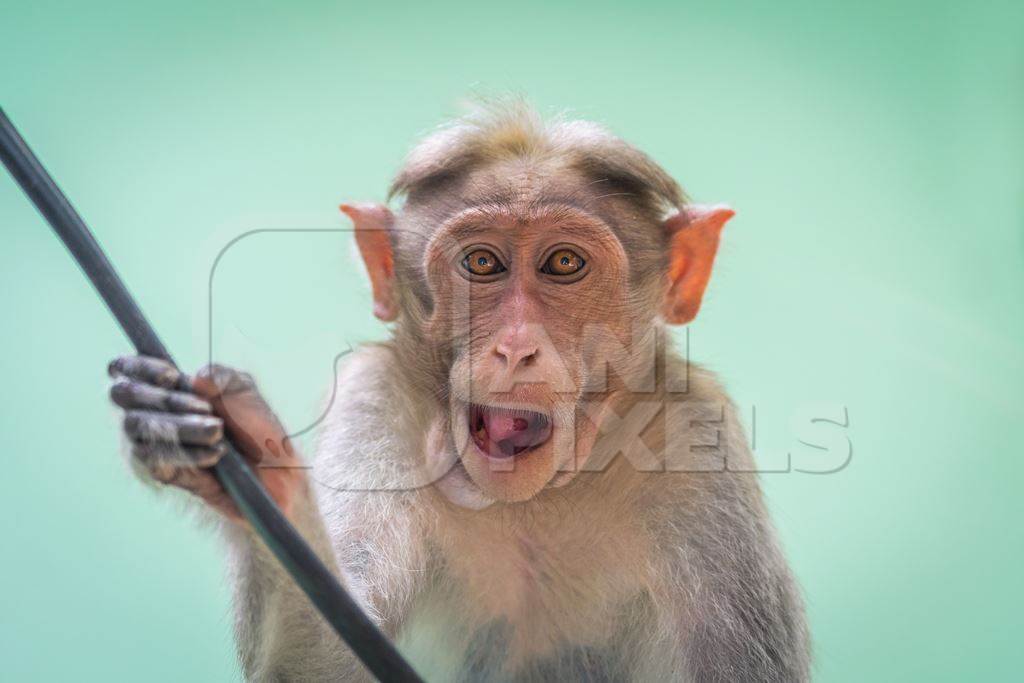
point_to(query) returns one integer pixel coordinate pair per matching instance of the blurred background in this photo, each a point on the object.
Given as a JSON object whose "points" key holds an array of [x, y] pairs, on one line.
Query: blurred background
{"points": [[874, 152]]}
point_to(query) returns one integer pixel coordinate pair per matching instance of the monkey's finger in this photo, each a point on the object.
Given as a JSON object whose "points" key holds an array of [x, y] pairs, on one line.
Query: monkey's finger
{"points": [[146, 369], [252, 424], [148, 426], [130, 394], [160, 459], [194, 478], [216, 381]]}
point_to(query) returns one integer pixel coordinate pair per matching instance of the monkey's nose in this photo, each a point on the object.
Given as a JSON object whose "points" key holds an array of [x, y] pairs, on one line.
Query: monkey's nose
{"points": [[516, 353]]}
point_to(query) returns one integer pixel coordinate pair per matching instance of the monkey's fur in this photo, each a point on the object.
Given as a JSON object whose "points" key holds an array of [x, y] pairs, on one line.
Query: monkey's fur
{"points": [[614, 573]]}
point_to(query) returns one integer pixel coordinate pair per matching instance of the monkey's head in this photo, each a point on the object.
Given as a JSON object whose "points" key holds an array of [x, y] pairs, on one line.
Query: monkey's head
{"points": [[528, 264]]}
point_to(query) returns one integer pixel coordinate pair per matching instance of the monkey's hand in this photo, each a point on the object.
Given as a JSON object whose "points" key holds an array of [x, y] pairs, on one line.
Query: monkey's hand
{"points": [[176, 426]]}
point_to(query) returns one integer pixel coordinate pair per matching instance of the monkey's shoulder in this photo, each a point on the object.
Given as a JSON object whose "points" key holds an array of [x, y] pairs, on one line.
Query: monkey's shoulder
{"points": [[366, 392], [694, 446], [371, 425], [687, 378]]}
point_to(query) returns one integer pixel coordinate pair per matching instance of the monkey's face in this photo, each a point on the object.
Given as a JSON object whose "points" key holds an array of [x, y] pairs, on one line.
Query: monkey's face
{"points": [[524, 302], [528, 300]]}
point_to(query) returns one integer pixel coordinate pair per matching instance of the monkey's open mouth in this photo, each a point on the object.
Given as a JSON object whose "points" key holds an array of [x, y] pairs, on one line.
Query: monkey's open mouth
{"points": [[507, 432]]}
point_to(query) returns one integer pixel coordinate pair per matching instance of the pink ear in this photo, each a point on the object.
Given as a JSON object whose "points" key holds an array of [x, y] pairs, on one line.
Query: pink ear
{"points": [[373, 225], [693, 242]]}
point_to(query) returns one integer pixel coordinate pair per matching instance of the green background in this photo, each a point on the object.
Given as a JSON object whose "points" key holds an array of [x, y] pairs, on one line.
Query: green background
{"points": [[873, 150]]}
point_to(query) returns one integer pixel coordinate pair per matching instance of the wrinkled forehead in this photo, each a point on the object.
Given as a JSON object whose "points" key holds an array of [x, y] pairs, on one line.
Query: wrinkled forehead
{"points": [[519, 185], [520, 224]]}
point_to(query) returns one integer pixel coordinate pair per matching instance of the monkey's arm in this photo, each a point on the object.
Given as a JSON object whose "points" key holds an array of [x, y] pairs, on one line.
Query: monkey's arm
{"points": [[728, 608], [174, 425], [731, 607], [737, 610], [378, 559], [276, 627], [369, 533]]}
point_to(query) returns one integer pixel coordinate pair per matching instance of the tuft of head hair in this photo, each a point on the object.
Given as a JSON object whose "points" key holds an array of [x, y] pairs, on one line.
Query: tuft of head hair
{"points": [[496, 130]]}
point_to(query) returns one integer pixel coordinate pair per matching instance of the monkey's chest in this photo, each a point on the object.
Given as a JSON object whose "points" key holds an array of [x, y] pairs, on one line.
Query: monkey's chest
{"points": [[523, 610]]}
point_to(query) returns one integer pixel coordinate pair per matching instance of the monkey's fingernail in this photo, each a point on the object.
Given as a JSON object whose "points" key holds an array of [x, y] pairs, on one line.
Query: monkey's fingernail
{"points": [[187, 403]]}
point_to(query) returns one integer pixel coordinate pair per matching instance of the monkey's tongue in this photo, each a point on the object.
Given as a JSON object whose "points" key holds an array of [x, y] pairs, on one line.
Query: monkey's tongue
{"points": [[503, 432]]}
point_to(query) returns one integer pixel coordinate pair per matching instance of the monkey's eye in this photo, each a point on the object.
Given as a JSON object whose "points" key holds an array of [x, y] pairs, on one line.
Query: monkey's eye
{"points": [[482, 263], [563, 263]]}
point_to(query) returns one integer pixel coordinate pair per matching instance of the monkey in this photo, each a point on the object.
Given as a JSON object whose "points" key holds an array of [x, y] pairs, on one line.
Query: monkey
{"points": [[526, 481]]}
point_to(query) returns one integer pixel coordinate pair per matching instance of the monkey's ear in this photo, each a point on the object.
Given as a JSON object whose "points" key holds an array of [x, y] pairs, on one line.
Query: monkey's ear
{"points": [[693, 241], [373, 226]]}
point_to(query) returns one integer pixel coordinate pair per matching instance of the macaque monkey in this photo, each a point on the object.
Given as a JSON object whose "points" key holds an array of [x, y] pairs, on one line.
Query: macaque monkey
{"points": [[526, 482]]}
